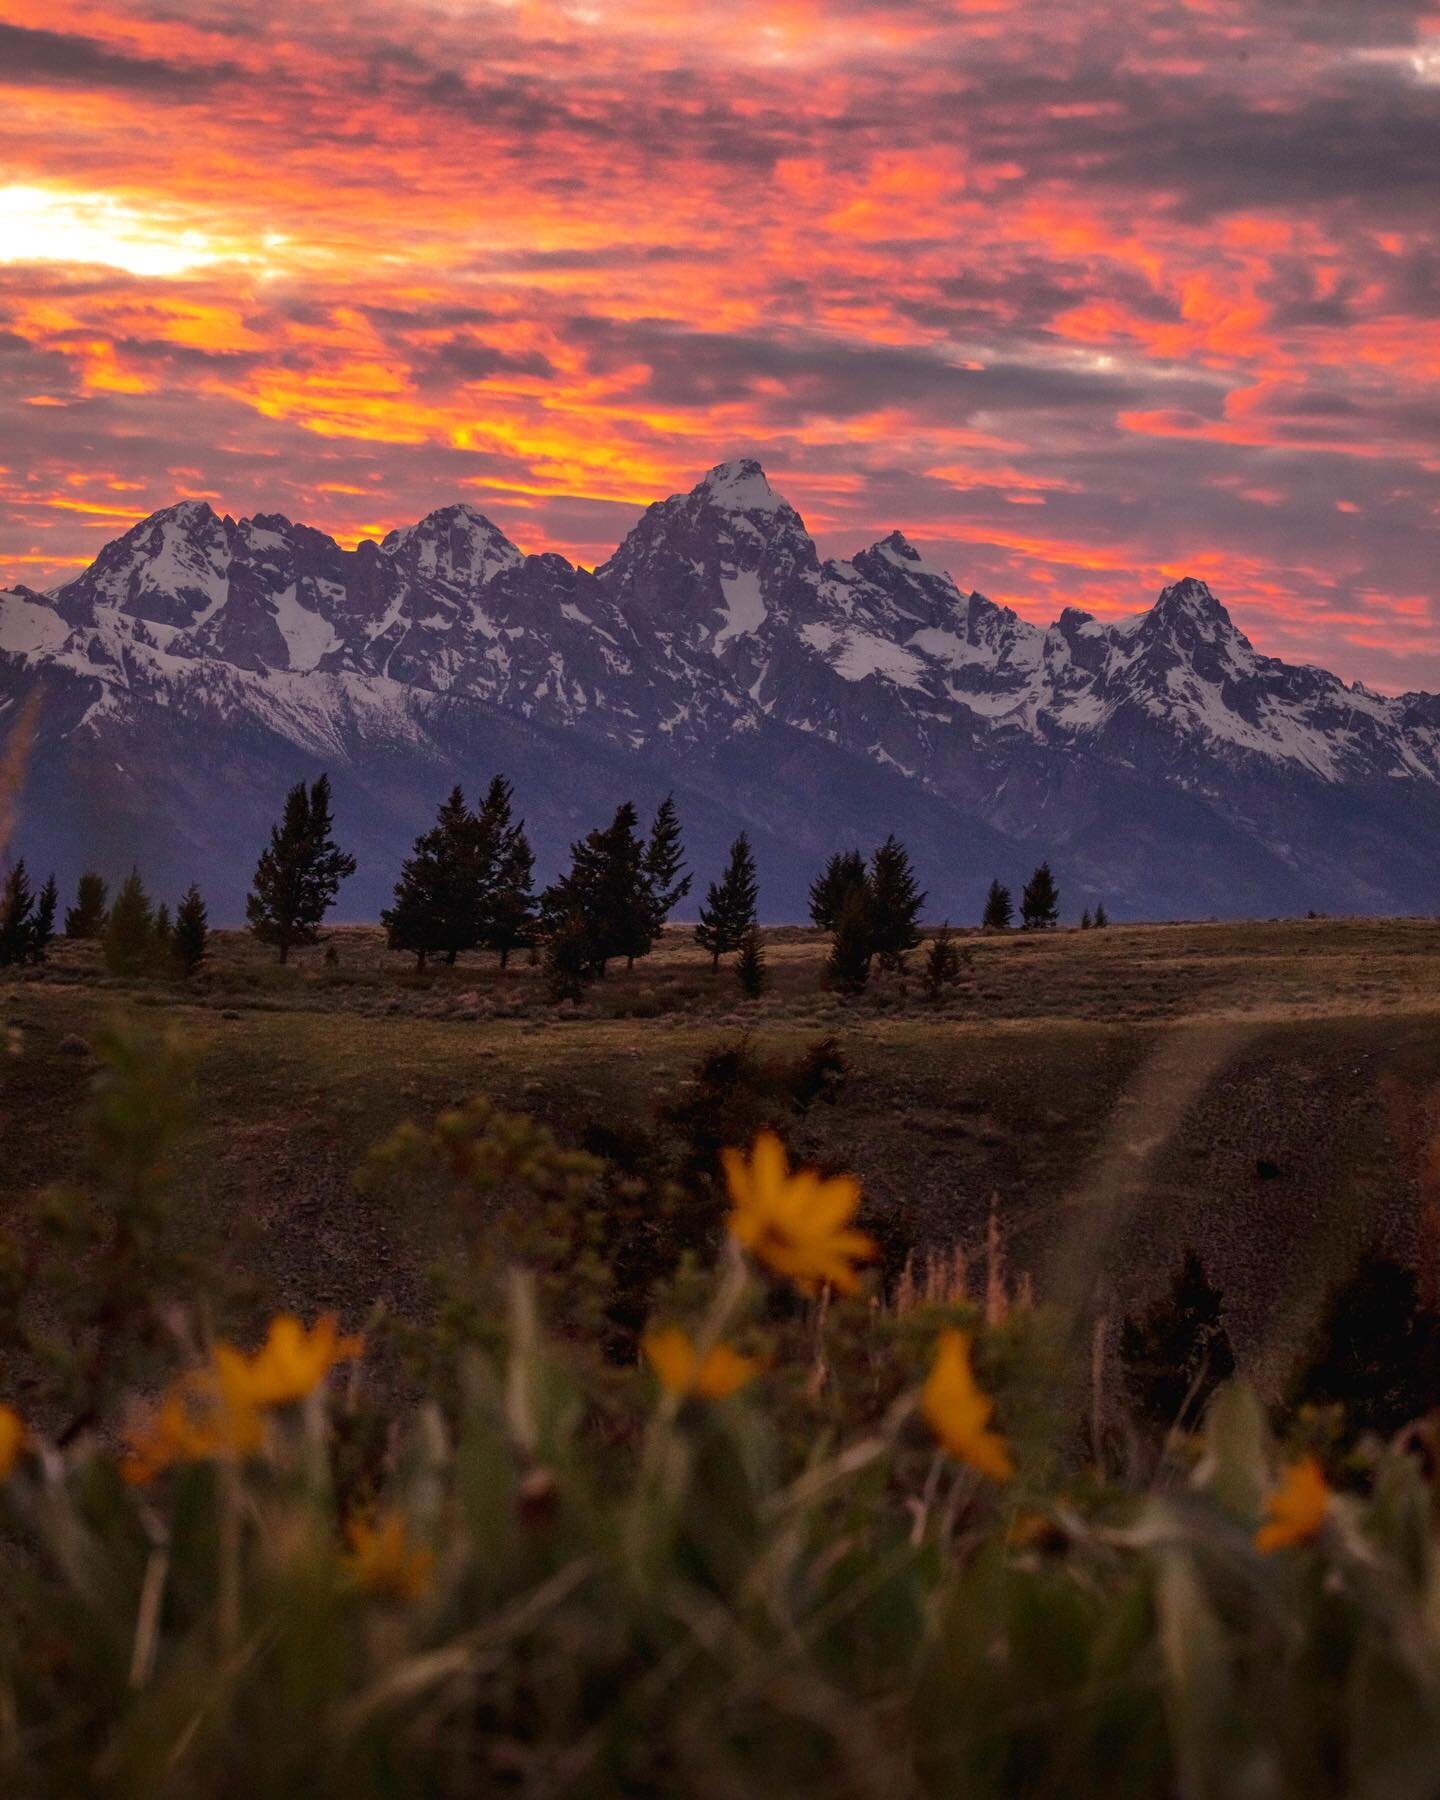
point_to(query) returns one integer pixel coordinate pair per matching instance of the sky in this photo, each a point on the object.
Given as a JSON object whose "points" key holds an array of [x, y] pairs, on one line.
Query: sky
{"points": [[1083, 297]]}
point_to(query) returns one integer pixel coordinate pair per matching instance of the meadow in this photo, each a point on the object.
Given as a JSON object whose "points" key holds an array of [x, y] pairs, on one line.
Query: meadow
{"points": [[413, 1386]]}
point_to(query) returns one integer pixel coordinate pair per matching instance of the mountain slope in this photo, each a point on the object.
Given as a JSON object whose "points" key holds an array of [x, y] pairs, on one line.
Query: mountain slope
{"points": [[202, 663]]}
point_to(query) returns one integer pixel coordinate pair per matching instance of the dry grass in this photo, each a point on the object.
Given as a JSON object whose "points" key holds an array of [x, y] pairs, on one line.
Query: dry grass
{"points": [[1266, 1091]]}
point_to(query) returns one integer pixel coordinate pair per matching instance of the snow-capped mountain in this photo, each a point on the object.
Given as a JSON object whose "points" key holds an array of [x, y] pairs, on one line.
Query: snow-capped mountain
{"points": [[202, 663]]}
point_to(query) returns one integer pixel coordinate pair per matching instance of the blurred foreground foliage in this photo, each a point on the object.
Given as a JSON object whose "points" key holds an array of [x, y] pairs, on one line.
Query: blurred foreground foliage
{"points": [[659, 1520]]}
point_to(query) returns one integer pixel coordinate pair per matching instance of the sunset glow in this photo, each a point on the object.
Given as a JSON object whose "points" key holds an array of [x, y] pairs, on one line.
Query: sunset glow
{"points": [[1081, 298]]}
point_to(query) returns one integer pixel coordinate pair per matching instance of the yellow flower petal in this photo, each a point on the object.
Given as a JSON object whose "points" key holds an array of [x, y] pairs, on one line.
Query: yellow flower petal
{"points": [[384, 1562], [721, 1372], [290, 1364], [1296, 1510], [959, 1413], [795, 1223], [12, 1440]]}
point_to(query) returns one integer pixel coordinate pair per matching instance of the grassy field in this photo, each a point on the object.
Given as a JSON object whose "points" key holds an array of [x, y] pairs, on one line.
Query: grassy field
{"points": [[1264, 1092]]}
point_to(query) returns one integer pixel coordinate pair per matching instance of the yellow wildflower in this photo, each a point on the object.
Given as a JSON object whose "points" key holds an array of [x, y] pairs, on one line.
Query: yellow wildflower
{"points": [[197, 1420], [289, 1365], [12, 1440], [1296, 1510], [714, 1376], [798, 1223], [384, 1562], [959, 1413]]}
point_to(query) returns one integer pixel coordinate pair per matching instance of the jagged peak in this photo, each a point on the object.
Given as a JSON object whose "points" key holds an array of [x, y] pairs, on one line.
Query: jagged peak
{"points": [[897, 552], [445, 518], [189, 515], [740, 486], [1192, 596]]}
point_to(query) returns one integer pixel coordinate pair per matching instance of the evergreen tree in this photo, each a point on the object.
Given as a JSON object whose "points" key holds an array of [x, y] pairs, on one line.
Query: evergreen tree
{"points": [[605, 893], [509, 916], [729, 910], [942, 964], [569, 957], [438, 898], [1376, 1350], [1178, 1352], [299, 871], [192, 931], [1085, 920], [848, 965], [999, 914], [17, 917], [844, 870], [665, 872], [895, 903], [1040, 902], [129, 942], [750, 970], [43, 933], [162, 940], [86, 918], [1102, 918]]}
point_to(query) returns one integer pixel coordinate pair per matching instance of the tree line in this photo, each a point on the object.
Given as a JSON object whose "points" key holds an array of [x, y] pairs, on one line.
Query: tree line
{"points": [[469, 885]]}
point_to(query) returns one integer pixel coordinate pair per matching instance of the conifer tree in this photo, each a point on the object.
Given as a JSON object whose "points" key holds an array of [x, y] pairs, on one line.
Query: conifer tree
{"points": [[895, 903], [1178, 1352], [17, 917], [665, 873], [1040, 901], [162, 940], [848, 965], [729, 910], [191, 937], [299, 872], [844, 870], [129, 942], [1102, 918], [509, 907], [438, 896], [999, 914], [86, 918], [569, 956], [1085, 920], [46, 908], [942, 964], [750, 970], [604, 893]]}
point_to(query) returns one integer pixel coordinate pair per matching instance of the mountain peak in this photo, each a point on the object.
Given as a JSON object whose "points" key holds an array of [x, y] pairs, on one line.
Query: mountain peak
{"points": [[456, 543], [740, 486]]}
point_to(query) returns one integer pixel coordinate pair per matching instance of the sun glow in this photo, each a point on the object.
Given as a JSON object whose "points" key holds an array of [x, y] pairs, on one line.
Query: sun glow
{"points": [[47, 225]]}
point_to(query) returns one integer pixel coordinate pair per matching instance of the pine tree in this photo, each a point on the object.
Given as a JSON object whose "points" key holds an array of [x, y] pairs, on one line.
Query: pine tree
{"points": [[895, 903], [750, 970], [43, 932], [17, 920], [665, 872], [192, 931], [604, 893], [509, 909], [1085, 920], [162, 941], [844, 870], [943, 964], [86, 918], [1102, 918], [848, 965], [999, 914], [439, 896], [299, 872], [129, 941], [1178, 1352], [729, 909], [569, 957], [1040, 902]]}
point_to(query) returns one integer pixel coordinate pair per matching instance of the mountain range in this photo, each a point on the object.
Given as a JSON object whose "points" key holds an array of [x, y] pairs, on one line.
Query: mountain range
{"points": [[201, 664]]}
